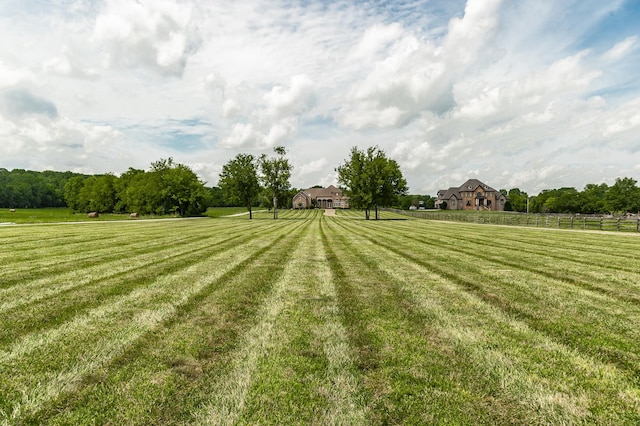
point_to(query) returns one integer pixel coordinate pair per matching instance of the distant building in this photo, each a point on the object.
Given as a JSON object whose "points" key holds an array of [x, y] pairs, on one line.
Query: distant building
{"points": [[471, 195], [322, 198]]}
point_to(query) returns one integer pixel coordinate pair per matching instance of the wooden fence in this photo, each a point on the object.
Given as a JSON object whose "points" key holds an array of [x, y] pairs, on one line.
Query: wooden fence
{"points": [[557, 221]]}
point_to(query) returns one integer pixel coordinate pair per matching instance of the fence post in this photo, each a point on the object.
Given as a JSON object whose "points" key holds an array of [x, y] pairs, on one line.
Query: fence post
{"points": [[558, 222], [572, 222], [618, 225]]}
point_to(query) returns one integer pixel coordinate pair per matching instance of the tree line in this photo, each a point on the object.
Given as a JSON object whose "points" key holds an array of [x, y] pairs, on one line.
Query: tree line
{"points": [[621, 197], [368, 177], [30, 189], [167, 188]]}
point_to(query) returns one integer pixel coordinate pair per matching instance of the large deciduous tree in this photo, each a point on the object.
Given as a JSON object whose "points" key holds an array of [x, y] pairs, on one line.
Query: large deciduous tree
{"points": [[274, 174], [371, 180], [239, 181], [623, 196], [180, 190]]}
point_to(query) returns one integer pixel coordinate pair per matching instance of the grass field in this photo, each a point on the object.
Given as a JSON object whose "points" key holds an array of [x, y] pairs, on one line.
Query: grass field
{"points": [[51, 215], [317, 320]]}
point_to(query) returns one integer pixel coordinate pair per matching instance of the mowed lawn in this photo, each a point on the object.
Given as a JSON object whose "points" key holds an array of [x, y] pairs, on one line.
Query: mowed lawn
{"points": [[317, 320]]}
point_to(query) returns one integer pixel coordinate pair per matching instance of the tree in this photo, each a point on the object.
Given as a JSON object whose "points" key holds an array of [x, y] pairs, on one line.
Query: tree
{"points": [[98, 194], [275, 174], [371, 180], [592, 199], [178, 189], [517, 200], [239, 181], [623, 196]]}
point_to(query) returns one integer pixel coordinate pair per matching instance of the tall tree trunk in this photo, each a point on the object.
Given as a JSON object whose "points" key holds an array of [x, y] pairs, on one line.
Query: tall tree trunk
{"points": [[367, 213], [377, 216], [250, 213], [275, 207]]}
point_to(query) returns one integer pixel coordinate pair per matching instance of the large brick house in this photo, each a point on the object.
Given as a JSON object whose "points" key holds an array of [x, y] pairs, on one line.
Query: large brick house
{"points": [[322, 198], [471, 195]]}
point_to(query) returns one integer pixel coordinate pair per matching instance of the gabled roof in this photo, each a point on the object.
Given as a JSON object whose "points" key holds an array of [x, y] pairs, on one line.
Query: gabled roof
{"points": [[469, 185], [472, 184], [327, 192], [449, 193]]}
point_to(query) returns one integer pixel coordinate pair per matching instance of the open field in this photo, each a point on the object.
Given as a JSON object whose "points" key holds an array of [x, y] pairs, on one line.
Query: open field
{"points": [[61, 214], [622, 223], [317, 320], [52, 215]]}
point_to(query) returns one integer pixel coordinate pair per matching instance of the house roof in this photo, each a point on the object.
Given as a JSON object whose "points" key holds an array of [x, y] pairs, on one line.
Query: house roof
{"points": [[447, 194], [472, 184], [327, 192], [469, 185]]}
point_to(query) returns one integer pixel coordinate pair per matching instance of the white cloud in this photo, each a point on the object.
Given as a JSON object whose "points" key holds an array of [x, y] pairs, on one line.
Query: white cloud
{"points": [[477, 100], [230, 108], [414, 75], [621, 49], [157, 34], [314, 166], [281, 132], [377, 39], [624, 119], [10, 76], [448, 88], [67, 64], [242, 136], [299, 97], [467, 36]]}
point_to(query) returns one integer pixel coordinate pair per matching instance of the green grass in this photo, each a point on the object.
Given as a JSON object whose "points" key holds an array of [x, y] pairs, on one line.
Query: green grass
{"points": [[538, 220], [317, 320], [227, 211], [61, 214]]}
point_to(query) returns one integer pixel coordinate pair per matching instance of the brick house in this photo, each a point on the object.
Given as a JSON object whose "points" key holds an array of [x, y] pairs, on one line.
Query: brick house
{"points": [[471, 195], [322, 198]]}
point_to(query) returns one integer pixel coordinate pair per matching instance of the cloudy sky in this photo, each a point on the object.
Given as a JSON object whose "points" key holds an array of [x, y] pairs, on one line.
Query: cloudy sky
{"points": [[532, 94]]}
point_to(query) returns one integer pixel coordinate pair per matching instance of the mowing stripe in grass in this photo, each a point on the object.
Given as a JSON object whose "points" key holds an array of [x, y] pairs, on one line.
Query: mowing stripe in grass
{"points": [[229, 398], [520, 373], [307, 375], [569, 269], [542, 305], [72, 299], [388, 322], [168, 260], [50, 286], [242, 393], [517, 372], [348, 406], [405, 372], [610, 282], [164, 375], [132, 316], [47, 261]]}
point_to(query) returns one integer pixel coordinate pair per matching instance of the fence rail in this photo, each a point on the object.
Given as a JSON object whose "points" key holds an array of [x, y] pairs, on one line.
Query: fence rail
{"points": [[557, 221]]}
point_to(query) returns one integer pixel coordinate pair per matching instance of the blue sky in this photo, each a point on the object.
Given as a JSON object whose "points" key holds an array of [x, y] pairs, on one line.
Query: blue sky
{"points": [[532, 94]]}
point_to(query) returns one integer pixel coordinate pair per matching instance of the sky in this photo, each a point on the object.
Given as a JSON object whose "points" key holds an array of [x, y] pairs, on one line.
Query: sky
{"points": [[529, 94]]}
